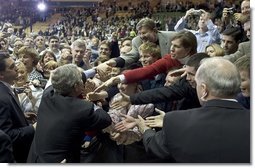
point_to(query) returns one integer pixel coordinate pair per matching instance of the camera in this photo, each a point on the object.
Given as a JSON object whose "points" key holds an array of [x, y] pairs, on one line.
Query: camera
{"points": [[196, 12], [230, 11], [19, 90]]}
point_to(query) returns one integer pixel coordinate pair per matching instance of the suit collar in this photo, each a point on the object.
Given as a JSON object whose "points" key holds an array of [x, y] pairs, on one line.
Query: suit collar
{"points": [[222, 103], [8, 88], [7, 85]]}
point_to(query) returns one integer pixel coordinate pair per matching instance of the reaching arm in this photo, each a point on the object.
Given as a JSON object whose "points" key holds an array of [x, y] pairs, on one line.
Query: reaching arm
{"points": [[174, 92], [160, 66]]}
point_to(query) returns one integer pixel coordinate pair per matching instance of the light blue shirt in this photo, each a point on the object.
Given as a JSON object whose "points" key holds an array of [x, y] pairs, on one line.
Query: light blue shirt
{"points": [[203, 39]]}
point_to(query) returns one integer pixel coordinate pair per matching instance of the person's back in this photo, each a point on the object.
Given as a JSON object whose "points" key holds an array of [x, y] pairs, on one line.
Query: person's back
{"points": [[63, 118], [219, 132]]}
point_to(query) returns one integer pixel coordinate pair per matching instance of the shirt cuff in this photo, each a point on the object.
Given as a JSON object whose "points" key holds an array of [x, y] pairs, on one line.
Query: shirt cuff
{"points": [[122, 78], [90, 73], [96, 107]]}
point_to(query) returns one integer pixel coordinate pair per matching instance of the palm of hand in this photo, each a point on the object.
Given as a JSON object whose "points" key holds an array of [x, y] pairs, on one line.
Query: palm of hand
{"points": [[122, 103]]}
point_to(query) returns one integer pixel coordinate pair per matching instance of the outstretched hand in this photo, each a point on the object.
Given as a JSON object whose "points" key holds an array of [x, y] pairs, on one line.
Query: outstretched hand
{"points": [[95, 96], [141, 125], [123, 102], [156, 121], [127, 123], [104, 69], [178, 72], [109, 82], [31, 116]]}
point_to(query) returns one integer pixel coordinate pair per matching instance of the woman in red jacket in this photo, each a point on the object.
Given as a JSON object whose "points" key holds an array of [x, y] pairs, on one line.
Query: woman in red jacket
{"points": [[183, 45]]}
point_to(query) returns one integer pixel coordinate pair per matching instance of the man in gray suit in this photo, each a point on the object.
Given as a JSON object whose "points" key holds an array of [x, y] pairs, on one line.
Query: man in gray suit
{"points": [[147, 32], [244, 48]]}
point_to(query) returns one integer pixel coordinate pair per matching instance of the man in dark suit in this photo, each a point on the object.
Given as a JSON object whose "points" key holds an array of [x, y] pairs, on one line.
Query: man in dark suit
{"points": [[217, 132], [12, 118], [63, 118]]}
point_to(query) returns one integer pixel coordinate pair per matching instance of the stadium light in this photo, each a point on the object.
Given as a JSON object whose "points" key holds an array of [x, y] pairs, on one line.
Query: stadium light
{"points": [[41, 6]]}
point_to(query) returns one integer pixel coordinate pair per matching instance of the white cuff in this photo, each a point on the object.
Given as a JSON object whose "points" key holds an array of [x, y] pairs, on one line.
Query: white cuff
{"points": [[122, 78]]}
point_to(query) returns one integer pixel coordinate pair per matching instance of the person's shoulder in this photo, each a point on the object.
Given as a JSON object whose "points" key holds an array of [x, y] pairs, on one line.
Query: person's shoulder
{"points": [[178, 116], [246, 43], [167, 32], [4, 92]]}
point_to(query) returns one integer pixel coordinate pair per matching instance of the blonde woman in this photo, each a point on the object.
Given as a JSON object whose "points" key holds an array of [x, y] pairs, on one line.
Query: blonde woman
{"points": [[214, 50]]}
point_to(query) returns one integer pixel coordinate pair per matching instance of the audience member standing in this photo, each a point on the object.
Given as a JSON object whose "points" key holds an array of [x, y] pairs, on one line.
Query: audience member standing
{"points": [[207, 32]]}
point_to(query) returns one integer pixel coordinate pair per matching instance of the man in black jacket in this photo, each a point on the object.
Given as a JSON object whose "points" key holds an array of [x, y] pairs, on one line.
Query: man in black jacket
{"points": [[63, 118], [12, 118]]}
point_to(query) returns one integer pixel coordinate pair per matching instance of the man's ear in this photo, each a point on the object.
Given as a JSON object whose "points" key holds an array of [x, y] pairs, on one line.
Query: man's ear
{"points": [[205, 91]]}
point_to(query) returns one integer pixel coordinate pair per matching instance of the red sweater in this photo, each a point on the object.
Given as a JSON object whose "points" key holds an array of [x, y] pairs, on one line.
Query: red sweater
{"points": [[160, 66]]}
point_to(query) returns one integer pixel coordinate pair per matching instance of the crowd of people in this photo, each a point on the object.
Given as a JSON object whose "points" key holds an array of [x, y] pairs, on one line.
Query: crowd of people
{"points": [[124, 90]]}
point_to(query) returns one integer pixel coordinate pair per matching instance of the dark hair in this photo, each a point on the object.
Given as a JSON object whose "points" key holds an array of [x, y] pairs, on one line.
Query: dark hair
{"points": [[44, 54], [3, 57], [53, 37], [195, 59], [234, 32]]}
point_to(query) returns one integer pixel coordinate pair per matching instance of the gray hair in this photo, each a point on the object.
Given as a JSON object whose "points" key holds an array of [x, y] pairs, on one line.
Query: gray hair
{"points": [[146, 22], [79, 43], [220, 76], [65, 77]]}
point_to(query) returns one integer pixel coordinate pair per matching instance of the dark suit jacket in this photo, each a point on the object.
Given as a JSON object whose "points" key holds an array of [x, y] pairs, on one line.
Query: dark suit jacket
{"points": [[218, 132], [6, 155], [61, 124], [14, 124]]}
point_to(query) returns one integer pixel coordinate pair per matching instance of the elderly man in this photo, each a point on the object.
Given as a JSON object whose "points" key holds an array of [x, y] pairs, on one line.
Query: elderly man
{"points": [[217, 132], [63, 118]]}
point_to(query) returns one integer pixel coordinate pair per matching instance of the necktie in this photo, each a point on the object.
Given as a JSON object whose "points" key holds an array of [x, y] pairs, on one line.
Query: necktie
{"points": [[16, 96]]}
